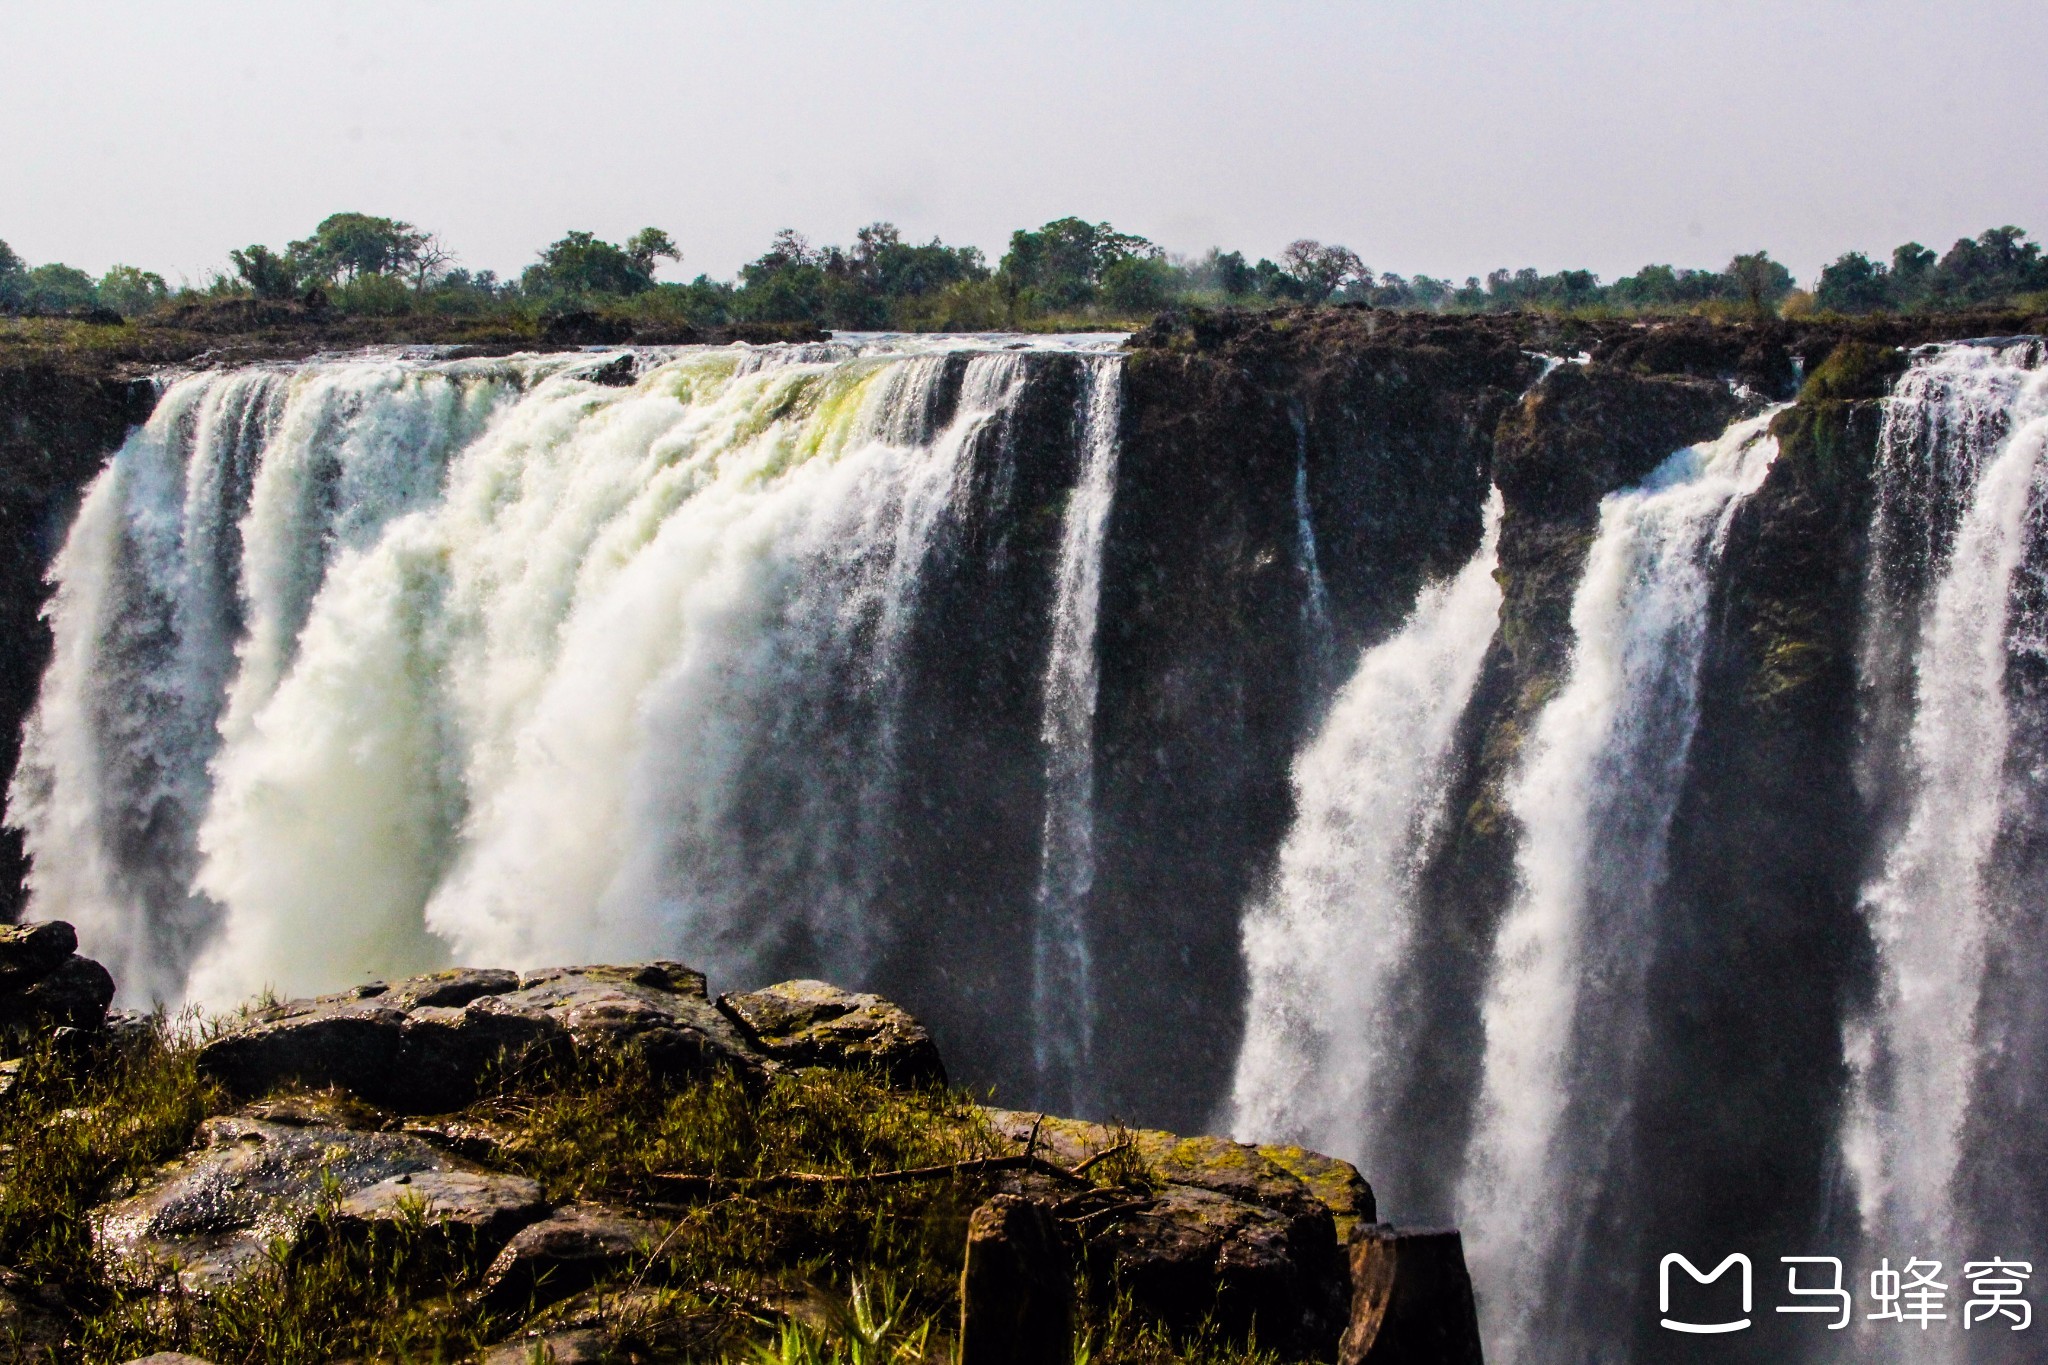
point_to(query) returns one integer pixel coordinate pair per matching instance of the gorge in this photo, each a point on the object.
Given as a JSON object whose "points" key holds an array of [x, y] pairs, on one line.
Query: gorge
{"points": [[1587, 774]]}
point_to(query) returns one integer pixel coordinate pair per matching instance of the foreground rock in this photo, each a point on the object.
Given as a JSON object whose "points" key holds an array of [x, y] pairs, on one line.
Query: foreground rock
{"points": [[44, 984], [1215, 1230], [1195, 1232], [577, 1346], [210, 1218], [808, 1023], [1016, 1286], [1411, 1299], [480, 1207], [426, 1044], [31, 1318], [567, 1252]]}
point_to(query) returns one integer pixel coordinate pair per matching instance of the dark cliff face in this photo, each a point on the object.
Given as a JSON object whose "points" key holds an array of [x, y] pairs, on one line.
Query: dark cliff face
{"points": [[965, 862], [1763, 948], [57, 424], [1578, 435], [1216, 656]]}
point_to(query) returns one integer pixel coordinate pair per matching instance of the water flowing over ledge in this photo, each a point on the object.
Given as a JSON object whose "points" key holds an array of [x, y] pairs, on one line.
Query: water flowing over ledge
{"points": [[371, 663], [1572, 1126], [1665, 877]]}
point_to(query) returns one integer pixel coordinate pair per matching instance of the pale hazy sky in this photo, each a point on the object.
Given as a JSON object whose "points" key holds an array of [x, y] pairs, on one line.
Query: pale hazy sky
{"points": [[1446, 137]]}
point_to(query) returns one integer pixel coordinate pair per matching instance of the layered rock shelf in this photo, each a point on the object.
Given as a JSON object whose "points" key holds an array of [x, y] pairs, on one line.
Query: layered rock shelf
{"points": [[341, 1123]]}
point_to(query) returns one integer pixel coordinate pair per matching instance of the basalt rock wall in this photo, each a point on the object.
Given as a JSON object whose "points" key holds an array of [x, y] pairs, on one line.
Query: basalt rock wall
{"points": [[1226, 624]]}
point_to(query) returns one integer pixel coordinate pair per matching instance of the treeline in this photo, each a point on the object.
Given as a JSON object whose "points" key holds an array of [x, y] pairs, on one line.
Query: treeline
{"points": [[1068, 272], [1998, 266]]}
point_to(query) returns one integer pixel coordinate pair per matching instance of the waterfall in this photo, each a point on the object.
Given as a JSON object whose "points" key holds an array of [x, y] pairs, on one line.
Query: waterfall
{"points": [[1325, 948], [370, 664], [1315, 600], [1060, 986], [179, 593], [1945, 1067], [1596, 787]]}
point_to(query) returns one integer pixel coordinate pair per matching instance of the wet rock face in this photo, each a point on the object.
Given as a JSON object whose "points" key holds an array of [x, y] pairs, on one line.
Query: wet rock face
{"points": [[810, 1023], [1580, 434], [208, 1219], [56, 425], [1766, 947]]}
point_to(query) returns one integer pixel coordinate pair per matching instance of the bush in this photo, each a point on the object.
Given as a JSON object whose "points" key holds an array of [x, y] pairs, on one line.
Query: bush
{"points": [[372, 296]]}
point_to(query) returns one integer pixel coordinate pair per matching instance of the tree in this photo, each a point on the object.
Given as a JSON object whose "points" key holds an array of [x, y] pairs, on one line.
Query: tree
{"points": [[1999, 263], [1430, 292], [13, 279], [129, 291], [1061, 264], [581, 264], [60, 288], [1853, 284], [1230, 273], [891, 268], [1322, 269], [864, 286], [1758, 280], [347, 246], [649, 245], [1912, 274], [1138, 284], [1274, 283], [268, 275], [430, 262]]}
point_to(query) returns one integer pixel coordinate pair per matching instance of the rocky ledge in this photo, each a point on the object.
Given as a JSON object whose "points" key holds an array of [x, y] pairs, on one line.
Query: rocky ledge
{"points": [[341, 1125], [47, 988]]}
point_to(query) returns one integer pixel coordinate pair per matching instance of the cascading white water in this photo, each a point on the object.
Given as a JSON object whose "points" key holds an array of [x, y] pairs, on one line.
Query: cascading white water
{"points": [[1315, 601], [481, 659], [180, 592], [1962, 482], [1326, 946], [1061, 989], [1593, 795]]}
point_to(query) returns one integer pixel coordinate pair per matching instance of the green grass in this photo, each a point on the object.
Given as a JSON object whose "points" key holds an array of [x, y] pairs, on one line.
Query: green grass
{"points": [[834, 1274]]}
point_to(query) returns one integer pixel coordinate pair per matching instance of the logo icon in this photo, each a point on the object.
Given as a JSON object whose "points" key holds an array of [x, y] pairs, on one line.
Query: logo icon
{"points": [[1703, 1328]]}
